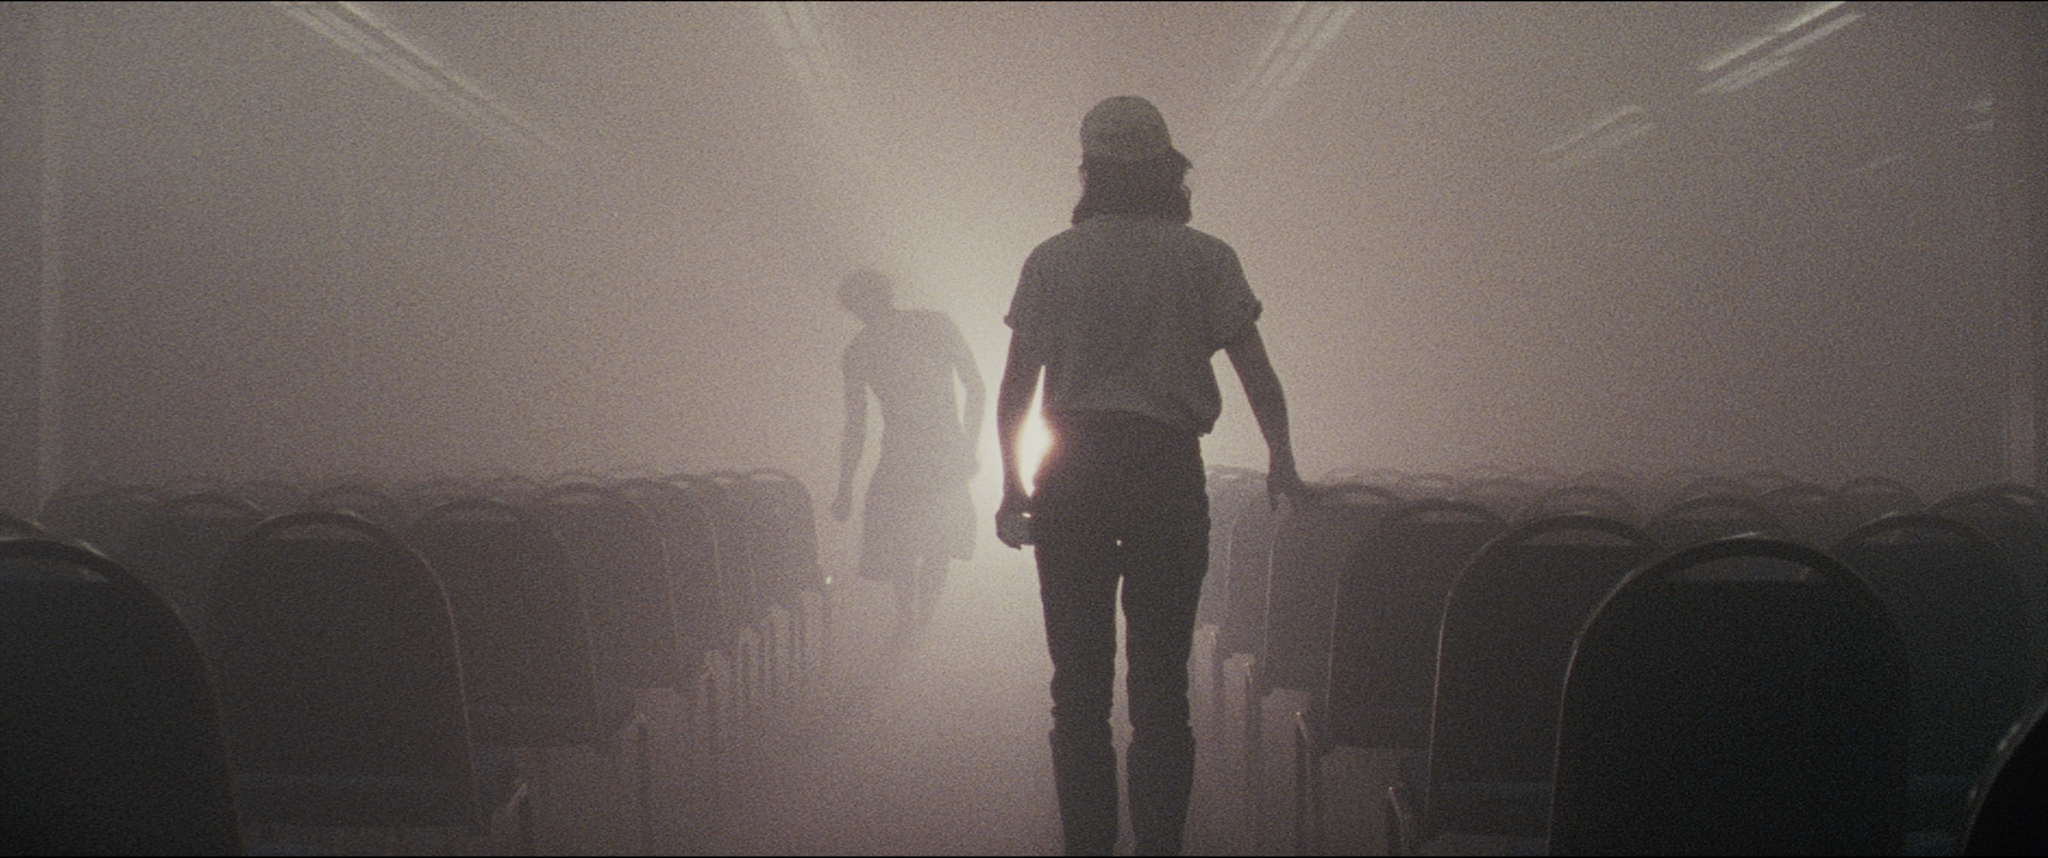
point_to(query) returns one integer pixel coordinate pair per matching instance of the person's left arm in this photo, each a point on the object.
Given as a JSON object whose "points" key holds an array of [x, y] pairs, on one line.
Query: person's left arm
{"points": [[854, 441], [975, 393]]}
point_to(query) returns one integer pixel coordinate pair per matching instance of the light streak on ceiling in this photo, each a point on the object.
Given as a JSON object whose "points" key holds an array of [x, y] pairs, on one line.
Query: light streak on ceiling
{"points": [[1783, 28], [813, 53], [388, 50], [1632, 122], [1302, 34], [1608, 132], [1762, 67]]}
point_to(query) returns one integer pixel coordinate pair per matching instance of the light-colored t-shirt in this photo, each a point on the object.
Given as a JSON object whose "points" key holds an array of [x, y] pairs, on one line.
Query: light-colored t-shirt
{"points": [[1131, 311], [908, 358]]}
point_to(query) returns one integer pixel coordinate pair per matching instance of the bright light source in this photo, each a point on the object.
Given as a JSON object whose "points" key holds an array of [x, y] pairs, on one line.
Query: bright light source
{"points": [[1035, 440]]}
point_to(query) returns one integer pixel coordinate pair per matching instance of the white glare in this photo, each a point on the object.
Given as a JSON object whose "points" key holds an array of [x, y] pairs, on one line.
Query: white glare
{"points": [[1035, 441]]}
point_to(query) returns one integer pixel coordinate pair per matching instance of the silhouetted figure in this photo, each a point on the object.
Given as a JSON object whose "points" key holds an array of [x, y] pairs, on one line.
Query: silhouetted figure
{"points": [[918, 514], [1124, 312]]}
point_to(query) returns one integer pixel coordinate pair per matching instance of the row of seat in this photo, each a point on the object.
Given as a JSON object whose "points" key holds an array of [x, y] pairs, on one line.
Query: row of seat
{"points": [[1371, 617], [379, 665]]}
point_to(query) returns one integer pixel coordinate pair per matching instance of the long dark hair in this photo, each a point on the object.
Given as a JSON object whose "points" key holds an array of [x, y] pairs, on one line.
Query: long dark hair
{"points": [[1156, 187]]}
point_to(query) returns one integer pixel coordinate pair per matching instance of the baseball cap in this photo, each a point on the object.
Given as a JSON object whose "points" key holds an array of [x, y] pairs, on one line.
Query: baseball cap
{"points": [[1124, 128]]}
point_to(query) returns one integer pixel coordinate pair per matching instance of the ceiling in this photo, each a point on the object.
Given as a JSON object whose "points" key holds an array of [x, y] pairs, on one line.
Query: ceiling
{"points": [[1472, 108], [1619, 222]]}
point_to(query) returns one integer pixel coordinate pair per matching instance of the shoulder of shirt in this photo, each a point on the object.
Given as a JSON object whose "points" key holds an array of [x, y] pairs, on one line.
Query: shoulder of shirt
{"points": [[1075, 235], [1057, 239], [1206, 238]]}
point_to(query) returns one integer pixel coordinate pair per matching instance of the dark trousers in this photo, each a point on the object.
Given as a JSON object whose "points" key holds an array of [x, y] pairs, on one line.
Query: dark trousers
{"points": [[1120, 503]]}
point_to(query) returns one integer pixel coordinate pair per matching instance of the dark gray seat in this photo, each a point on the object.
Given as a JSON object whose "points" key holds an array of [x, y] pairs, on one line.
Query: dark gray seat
{"points": [[1382, 640], [109, 731], [2005, 811], [102, 515], [340, 682], [520, 611], [363, 498], [1811, 513], [15, 525], [1508, 628], [1709, 516], [616, 550], [1975, 654], [1377, 654], [1312, 545], [1869, 497], [1589, 497], [177, 548], [690, 540], [2016, 518], [1745, 696]]}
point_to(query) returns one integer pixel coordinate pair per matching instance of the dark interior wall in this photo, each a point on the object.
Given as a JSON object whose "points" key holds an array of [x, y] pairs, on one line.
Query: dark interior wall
{"points": [[2023, 29], [20, 253]]}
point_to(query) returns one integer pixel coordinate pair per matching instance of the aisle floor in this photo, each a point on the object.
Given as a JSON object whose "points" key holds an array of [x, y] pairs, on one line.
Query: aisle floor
{"points": [[934, 749]]}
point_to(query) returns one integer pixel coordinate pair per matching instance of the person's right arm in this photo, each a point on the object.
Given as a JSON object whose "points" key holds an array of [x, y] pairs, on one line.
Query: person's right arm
{"points": [[1269, 407], [975, 400]]}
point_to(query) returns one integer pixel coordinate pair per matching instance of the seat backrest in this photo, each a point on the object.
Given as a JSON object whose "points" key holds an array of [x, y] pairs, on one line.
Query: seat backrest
{"points": [[1765, 480], [1682, 486], [362, 498], [1382, 640], [614, 546], [1231, 492], [1810, 513], [1866, 498], [2019, 527], [177, 548], [1744, 696], [1426, 486], [1311, 544], [13, 524], [340, 682], [740, 600], [509, 486], [272, 496], [2019, 524], [1506, 495], [2005, 808], [689, 535], [67, 502], [419, 496], [1976, 656], [106, 519], [108, 723], [785, 525], [1704, 517], [521, 613], [1241, 619], [1588, 497], [1506, 640]]}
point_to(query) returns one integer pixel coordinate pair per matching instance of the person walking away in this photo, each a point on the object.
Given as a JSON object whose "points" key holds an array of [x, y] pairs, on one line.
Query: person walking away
{"points": [[918, 515], [1123, 313]]}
